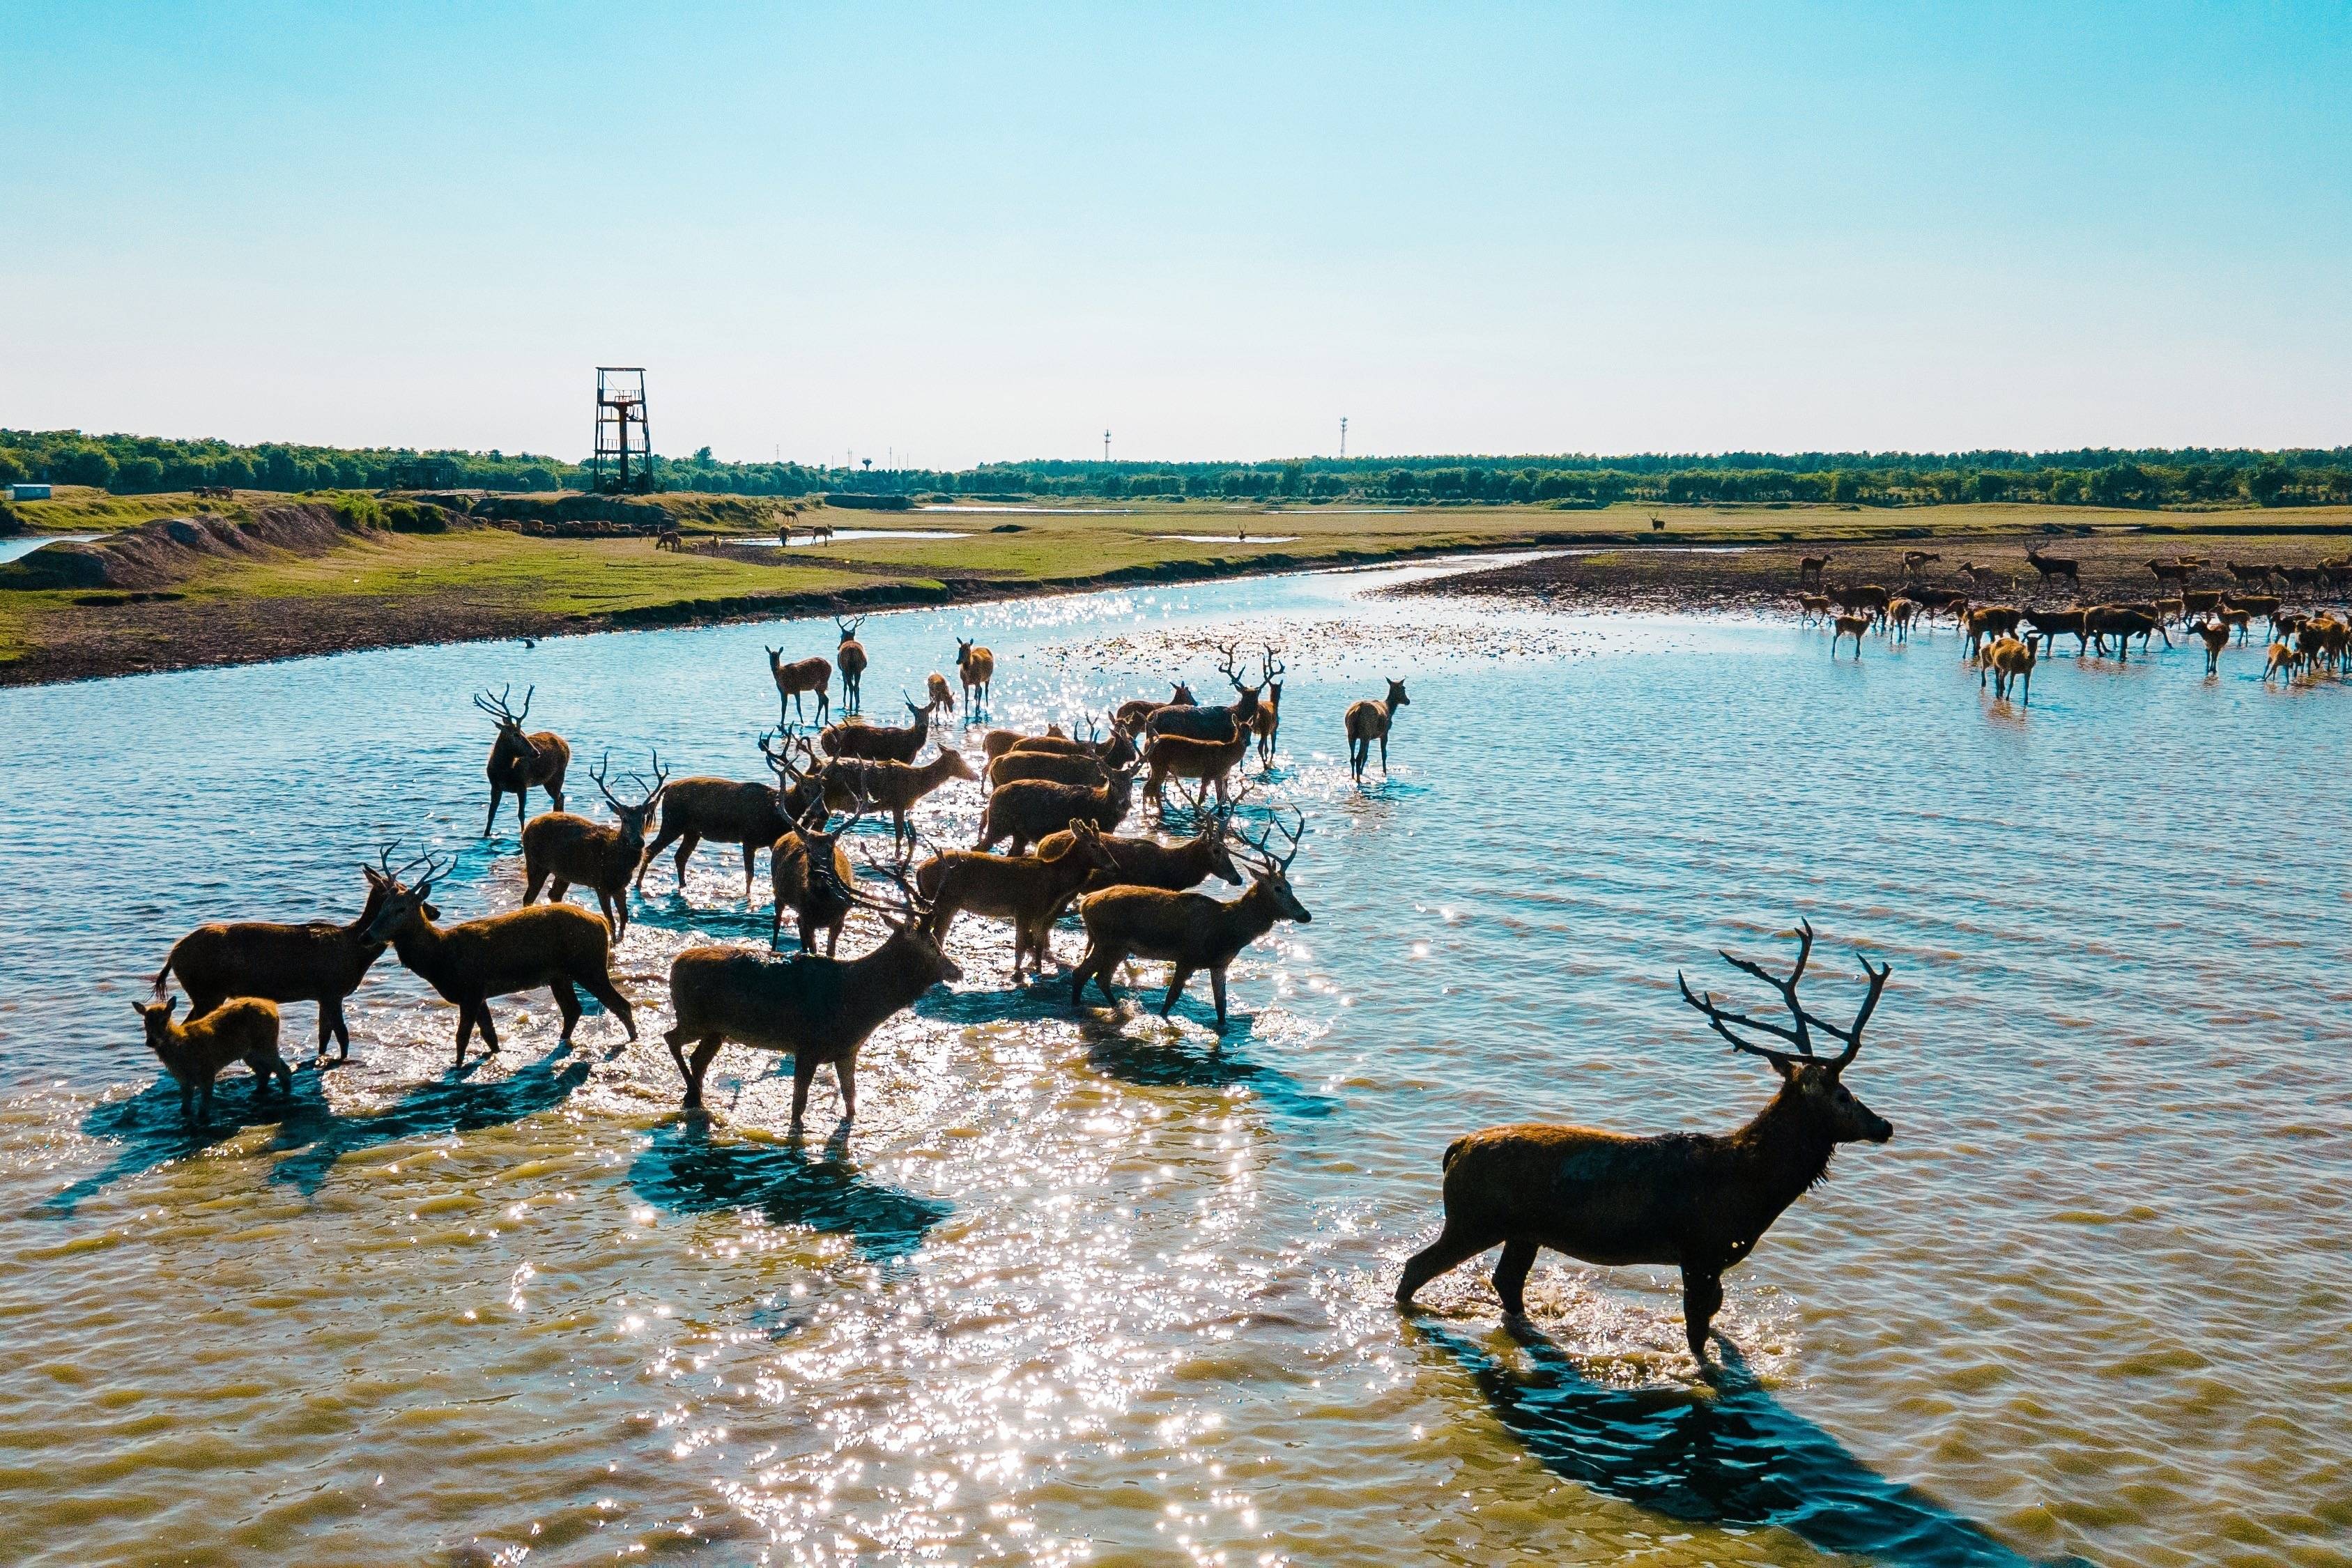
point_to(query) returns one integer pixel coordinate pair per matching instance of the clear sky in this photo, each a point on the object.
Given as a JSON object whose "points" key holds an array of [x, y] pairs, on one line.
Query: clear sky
{"points": [[985, 231]]}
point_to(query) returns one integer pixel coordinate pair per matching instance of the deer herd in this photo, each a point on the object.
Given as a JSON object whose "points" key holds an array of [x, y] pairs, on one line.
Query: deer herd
{"points": [[2004, 639]]}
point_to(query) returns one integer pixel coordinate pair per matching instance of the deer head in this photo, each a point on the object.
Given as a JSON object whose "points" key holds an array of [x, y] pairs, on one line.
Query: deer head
{"points": [[1182, 695], [1271, 669], [403, 905], [508, 722], [848, 629], [1814, 1082], [633, 818], [1397, 699], [1272, 872], [912, 938], [800, 787]]}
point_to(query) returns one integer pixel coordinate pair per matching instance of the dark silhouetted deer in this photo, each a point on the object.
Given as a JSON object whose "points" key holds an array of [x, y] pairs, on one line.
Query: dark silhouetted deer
{"points": [[1697, 1202], [518, 762], [879, 742], [1367, 722], [320, 962], [802, 676], [1267, 722], [193, 1053], [850, 659], [2054, 566]]}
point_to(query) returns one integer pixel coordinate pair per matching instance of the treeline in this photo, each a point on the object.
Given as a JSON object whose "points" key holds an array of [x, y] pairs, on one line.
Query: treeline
{"points": [[136, 465]]}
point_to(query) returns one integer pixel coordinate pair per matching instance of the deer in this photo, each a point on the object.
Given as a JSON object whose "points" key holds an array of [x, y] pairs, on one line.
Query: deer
{"points": [[2202, 600], [1367, 722], [936, 687], [1203, 762], [1848, 627], [1148, 863], [1809, 569], [2010, 662], [729, 811], [560, 946], [1267, 722], [1867, 596], [1698, 1202], [1199, 723], [2215, 636], [2169, 610], [1990, 620], [2122, 623], [1061, 767], [895, 788], [2258, 575], [2045, 626], [2171, 574], [2281, 658], [318, 962], [1914, 559], [244, 1030], [2308, 578], [879, 742], [1812, 608], [850, 659], [566, 848], [976, 668], [818, 1010], [1027, 811], [1029, 890], [802, 676], [2052, 566], [518, 762], [810, 874], [1136, 712], [996, 743], [1191, 932], [1987, 579], [2235, 617], [1936, 598], [1900, 612], [669, 539]]}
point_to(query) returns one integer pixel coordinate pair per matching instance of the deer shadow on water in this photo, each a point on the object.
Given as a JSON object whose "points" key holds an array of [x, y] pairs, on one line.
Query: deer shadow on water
{"points": [[1736, 1456], [687, 1171], [311, 1136]]}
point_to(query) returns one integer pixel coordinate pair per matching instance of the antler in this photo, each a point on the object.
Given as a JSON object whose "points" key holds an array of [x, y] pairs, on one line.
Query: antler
{"points": [[1800, 1035], [1229, 667], [598, 775], [1272, 665], [496, 706], [1277, 864], [781, 761]]}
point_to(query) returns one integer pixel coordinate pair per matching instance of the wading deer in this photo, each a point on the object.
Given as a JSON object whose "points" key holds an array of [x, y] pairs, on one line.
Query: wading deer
{"points": [[1191, 932], [193, 1053], [1936, 598], [2258, 575], [1812, 608], [1134, 715], [2045, 626], [879, 742], [1990, 620], [2052, 566], [320, 962], [801, 677], [568, 849], [2010, 662], [2202, 600], [2236, 618], [1697, 1202], [2122, 623], [895, 788], [976, 668], [810, 874], [1148, 863], [1198, 723], [1900, 612], [730, 811], [818, 1010], [1027, 811], [1204, 763], [850, 659], [1846, 626], [1367, 722], [518, 762], [1867, 597], [1028, 890], [2281, 658], [1267, 722], [2215, 636], [559, 946], [1061, 767]]}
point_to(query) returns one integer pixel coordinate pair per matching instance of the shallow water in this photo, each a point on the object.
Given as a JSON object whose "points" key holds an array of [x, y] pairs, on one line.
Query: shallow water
{"points": [[1083, 1287], [24, 544]]}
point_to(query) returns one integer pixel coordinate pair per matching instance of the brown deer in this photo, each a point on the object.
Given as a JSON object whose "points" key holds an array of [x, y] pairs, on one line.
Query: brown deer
{"points": [[850, 659], [1191, 932], [1696, 1201], [1114, 751], [817, 1009], [2045, 626], [2282, 658], [2122, 623], [1914, 559], [2235, 618], [569, 848], [2171, 574], [942, 697], [2216, 638], [1367, 722], [1990, 620], [976, 668], [1812, 608], [669, 539], [2174, 608], [518, 762], [242, 1030], [2010, 662], [2258, 575], [879, 742], [1809, 569], [802, 676], [1936, 598], [1061, 767], [1199, 723], [2202, 600], [996, 743], [320, 962], [810, 874], [1134, 715], [1267, 722], [729, 811], [559, 946], [1846, 626], [1868, 597], [856, 785], [2052, 566], [1900, 612], [1148, 863], [1029, 890], [1205, 762], [1987, 579], [1027, 811]]}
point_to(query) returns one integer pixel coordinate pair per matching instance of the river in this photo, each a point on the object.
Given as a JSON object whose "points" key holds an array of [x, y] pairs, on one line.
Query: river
{"points": [[1091, 1288]]}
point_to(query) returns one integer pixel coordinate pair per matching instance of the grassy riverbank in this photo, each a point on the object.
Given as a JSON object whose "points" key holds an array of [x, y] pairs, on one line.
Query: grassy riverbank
{"points": [[367, 586]]}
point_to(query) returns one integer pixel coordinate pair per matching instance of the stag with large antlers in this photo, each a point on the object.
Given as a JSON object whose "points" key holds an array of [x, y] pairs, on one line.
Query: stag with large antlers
{"points": [[560, 946], [1700, 1202], [729, 811], [850, 659], [320, 962], [800, 677], [893, 787], [1217, 724], [818, 1009], [1191, 932], [1027, 811], [568, 848], [517, 762], [810, 874], [1267, 722]]}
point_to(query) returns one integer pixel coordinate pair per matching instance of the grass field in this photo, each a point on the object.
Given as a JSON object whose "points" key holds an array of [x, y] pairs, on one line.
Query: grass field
{"points": [[384, 588]]}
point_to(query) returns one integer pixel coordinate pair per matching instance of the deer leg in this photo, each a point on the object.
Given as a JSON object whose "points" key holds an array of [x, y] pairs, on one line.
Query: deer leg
{"points": [[1454, 1245], [188, 1101], [1511, 1275], [490, 1030], [1175, 989], [685, 853], [567, 1002], [1384, 753], [534, 878], [205, 1103], [1217, 988], [749, 852], [1702, 1299], [803, 1074], [845, 1073], [490, 821], [661, 842], [522, 820], [703, 1053], [608, 997], [557, 889], [464, 1029], [776, 927]]}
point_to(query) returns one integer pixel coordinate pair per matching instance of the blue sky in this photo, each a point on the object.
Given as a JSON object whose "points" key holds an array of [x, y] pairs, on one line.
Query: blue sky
{"points": [[960, 232]]}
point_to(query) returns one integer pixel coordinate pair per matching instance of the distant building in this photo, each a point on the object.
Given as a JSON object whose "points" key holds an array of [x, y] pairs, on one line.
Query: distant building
{"points": [[28, 493]]}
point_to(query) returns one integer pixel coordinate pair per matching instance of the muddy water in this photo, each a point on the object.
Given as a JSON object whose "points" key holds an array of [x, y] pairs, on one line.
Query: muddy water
{"points": [[1082, 1287]]}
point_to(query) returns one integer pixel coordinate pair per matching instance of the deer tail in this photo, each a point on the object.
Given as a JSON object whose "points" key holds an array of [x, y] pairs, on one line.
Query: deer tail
{"points": [[1454, 1152], [163, 975]]}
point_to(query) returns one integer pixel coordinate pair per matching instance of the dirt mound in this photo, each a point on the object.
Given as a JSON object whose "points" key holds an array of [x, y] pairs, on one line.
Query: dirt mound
{"points": [[168, 551]]}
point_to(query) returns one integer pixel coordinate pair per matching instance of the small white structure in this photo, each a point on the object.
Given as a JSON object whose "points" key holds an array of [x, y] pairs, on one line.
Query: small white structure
{"points": [[28, 493]]}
